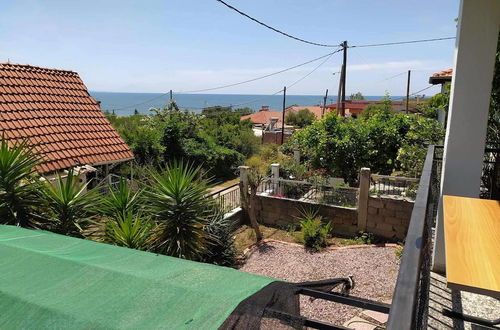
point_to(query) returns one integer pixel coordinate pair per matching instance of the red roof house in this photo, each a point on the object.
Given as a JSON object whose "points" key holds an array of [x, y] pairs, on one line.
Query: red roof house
{"points": [[263, 116], [54, 111], [441, 77], [356, 107]]}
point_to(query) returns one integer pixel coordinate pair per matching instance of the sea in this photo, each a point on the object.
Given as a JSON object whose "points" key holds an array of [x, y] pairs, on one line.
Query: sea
{"points": [[125, 104]]}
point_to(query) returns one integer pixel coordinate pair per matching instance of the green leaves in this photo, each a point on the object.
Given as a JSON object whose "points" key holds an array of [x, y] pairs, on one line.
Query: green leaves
{"points": [[129, 231], [18, 184], [177, 204], [70, 204]]}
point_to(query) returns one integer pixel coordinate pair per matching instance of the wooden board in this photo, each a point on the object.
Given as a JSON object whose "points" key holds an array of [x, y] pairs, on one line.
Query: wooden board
{"points": [[472, 243]]}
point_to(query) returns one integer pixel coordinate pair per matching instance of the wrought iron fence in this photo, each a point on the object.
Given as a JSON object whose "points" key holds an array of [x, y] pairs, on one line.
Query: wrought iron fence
{"points": [[490, 179], [410, 301], [228, 198], [309, 192], [393, 186]]}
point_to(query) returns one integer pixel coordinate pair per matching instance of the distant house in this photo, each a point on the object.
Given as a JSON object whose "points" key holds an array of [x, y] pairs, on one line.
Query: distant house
{"points": [[317, 110], [355, 107], [263, 117], [441, 78], [54, 111]]}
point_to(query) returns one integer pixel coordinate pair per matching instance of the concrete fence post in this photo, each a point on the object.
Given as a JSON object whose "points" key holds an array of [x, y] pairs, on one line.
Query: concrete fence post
{"points": [[275, 176], [364, 193], [296, 155]]}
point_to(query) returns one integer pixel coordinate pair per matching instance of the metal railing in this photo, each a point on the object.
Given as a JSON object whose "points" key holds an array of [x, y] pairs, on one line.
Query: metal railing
{"points": [[393, 185], [411, 296], [310, 192], [228, 198], [490, 179]]}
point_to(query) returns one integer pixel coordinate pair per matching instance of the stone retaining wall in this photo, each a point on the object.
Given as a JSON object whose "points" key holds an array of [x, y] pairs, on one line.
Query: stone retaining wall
{"points": [[388, 217], [283, 211]]}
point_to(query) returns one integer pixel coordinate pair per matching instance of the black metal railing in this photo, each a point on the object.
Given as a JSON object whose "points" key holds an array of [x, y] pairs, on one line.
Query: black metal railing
{"points": [[393, 186], [228, 198], [411, 296], [490, 178], [310, 192]]}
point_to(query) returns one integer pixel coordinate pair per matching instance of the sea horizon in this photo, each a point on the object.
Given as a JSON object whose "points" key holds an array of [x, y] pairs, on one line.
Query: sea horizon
{"points": [[125, 103]]}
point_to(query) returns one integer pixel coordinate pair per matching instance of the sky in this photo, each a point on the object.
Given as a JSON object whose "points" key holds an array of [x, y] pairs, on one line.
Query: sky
{"points": [[155, 46]]}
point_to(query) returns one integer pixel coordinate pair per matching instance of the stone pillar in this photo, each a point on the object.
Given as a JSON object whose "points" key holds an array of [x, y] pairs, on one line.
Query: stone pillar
{"points": [[364, 193], [275, 175], [477, 38], [296, 155]]}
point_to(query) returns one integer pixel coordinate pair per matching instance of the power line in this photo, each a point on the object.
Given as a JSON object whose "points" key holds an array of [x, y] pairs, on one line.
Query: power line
{"points": [[274, 29], [234, 84], [291, 85], [401, 42], [258, 78], [423, 89]]}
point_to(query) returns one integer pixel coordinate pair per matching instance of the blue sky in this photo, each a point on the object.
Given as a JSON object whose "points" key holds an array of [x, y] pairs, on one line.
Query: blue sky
{"points": [[154, 46]]}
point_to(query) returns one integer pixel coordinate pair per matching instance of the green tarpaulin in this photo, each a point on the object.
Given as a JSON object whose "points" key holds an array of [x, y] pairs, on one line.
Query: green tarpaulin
{"points": [[54, 281]]}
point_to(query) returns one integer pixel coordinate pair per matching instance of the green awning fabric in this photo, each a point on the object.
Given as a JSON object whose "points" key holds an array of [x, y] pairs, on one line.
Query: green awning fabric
{"points": [[54, 281]]}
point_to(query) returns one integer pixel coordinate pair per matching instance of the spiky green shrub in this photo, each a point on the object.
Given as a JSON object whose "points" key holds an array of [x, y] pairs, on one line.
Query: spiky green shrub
{"points": [[121, 201], [19, 186], [70, 205], [176, 202], [313, 232], [129, 231], [220, 241]]}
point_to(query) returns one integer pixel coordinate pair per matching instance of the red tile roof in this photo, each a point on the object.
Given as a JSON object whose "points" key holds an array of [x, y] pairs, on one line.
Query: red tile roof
{"points": [[315, 109], [263, 116], [53, 109], [361, 104], [444, 73]]}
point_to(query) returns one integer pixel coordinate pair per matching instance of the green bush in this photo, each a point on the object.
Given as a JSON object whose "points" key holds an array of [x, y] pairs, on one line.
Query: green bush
{"points": [[364, 237], [314, 233]]}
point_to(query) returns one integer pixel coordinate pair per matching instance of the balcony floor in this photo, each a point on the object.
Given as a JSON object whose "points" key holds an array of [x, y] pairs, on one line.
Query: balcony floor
{"points": [[473, 304]]}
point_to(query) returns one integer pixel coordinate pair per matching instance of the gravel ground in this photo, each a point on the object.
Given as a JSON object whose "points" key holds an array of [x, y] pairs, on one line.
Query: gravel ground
{"points": [[374, 270]]}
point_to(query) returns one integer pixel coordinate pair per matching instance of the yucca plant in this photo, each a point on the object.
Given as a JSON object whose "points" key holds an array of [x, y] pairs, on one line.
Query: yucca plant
{"points": [[220, 248], [18, 184], [177, 203], [314, 233], [120, 202], [129, 231], [70, 205]]}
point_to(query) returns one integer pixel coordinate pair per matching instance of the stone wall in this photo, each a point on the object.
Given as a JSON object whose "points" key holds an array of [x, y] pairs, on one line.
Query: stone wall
{"points": [[388, 217], [283, 211]]}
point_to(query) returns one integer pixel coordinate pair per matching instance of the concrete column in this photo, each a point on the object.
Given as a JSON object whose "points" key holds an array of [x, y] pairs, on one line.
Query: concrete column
{"points": [[244, 176], [364, 193], [275, 175], [296, 155], [477, 38]]}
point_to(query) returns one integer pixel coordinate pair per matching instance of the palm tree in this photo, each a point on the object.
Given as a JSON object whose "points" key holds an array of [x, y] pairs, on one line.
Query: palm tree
{"points": [[18, 184], [70, 205], [178, 204]]}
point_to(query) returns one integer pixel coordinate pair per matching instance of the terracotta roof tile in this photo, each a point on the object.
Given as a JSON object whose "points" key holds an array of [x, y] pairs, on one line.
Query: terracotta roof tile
{"points": [[53, 108]]}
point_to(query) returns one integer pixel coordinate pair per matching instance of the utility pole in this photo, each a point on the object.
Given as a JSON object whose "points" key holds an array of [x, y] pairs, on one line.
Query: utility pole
{"points": [[283, 118], [171, 96], [324, 104], [344, 71], [339, 94], [408, 92]]}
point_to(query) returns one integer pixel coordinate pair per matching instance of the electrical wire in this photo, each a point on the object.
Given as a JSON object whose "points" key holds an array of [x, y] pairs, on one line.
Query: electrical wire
{"points": [[423, 89], [234, 84], [258, 78], [274, 29], [401, 42]]}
